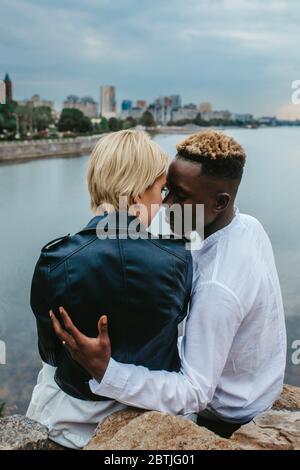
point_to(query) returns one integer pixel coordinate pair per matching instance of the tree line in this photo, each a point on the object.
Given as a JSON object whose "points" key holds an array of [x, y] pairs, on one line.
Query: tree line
{"points": [[26, 121]]}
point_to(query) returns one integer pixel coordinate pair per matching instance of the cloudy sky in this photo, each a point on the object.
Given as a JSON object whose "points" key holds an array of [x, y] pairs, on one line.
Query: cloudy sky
{"points": [[241, 55]]}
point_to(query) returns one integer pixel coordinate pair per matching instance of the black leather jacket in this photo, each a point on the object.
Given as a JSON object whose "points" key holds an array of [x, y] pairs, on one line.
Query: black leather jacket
{"points": [[142, 285]]}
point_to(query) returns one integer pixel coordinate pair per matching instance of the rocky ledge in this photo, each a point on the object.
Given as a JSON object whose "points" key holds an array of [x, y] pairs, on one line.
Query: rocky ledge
{"points": [[135, 429]]}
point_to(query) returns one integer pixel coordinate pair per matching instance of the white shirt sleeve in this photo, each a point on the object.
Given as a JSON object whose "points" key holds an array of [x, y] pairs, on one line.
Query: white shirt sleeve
{"points": [[214, 318]]}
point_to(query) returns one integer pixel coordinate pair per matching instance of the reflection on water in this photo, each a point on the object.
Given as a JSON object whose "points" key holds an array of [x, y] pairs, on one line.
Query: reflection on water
{"points": [[44, 199]]}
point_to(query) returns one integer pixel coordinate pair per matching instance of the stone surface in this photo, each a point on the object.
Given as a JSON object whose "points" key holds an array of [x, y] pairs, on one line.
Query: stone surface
{"points": [[132, 429], [273, 429], [289, 399], [111, 425], [155, 431], [20, 433]]}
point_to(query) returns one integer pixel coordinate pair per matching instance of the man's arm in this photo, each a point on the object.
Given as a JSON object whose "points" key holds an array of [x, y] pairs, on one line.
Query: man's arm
{"points": [[215, 315]]}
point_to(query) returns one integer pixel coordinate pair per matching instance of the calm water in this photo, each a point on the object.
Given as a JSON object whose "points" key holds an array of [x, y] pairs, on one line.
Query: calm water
{"points": [[44, 199]]}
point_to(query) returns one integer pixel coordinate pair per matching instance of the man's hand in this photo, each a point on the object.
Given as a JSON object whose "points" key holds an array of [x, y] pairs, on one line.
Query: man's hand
{"points": [[93, 354]]}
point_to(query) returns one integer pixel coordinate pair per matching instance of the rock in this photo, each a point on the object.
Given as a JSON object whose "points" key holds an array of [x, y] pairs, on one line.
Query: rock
{"points": [[154, 431], [132, 429], [112, 424], [274, 430], [20, 433], [289, 399]]}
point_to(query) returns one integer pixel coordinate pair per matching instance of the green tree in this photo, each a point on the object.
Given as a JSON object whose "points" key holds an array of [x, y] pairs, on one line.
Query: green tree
{"points": [[85, 125], [147, 119], [199, 121], [74, 120], [114, 124], [25, 116], [8, 116], [2, 121], [129, 122], [180, 122], [104, 124], [42, 117]]}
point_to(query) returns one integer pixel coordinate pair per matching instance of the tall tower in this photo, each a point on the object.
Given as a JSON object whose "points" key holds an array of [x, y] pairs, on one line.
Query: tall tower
{"points": [[8, 88], [108, 105]]}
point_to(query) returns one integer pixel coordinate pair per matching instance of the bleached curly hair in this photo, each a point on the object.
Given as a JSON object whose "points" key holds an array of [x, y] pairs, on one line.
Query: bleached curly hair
{"points": [[220, 155]]}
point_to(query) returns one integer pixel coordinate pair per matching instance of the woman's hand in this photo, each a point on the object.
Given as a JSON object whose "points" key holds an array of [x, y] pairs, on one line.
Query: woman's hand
{"points": [[93, 354]]}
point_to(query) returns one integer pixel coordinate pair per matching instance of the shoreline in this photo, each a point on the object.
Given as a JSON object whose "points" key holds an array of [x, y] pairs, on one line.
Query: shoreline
{"points": [[29, 150], [12, 151]]}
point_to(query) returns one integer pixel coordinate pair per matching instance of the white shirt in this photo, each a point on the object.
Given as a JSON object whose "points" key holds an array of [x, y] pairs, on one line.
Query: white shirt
{"points": [[233, 351], [71, 422]]}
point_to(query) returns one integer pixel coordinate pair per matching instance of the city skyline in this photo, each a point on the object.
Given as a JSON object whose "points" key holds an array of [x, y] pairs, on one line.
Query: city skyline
{"points": [[237, 54], [164, 109]]}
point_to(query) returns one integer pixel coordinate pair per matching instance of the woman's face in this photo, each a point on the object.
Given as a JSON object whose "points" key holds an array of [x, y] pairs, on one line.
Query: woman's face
{"points": [[151, 200]]}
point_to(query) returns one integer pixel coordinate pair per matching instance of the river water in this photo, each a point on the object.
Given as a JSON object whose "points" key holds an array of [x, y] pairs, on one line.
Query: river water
{"points": [[43, 199]]}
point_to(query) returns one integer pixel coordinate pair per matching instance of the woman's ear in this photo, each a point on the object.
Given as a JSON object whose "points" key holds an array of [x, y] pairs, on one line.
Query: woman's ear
{"points": [[222, 201]]}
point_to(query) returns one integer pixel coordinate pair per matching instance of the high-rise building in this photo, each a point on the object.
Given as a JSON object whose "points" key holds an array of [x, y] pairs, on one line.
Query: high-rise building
{"points": [[175, 102], [2, 92], [142, 104], [86, 105], [126, 105], [9, 88], [162, 107], [108, 105]]}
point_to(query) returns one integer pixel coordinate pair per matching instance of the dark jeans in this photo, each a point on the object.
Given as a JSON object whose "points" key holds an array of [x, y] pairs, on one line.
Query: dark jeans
{"points": [[219, 427]]}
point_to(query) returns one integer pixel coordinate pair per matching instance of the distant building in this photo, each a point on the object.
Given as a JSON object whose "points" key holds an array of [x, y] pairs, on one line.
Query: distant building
{"points": [[108, 105], [218, 115], [8, 88], [205, 107], [188, 111], [142, 104], [243, 118], [126, 105], [136, 112], [35, 101], [175, 101], [162, 110], [267, 120], [2, 92], [86, 105]]}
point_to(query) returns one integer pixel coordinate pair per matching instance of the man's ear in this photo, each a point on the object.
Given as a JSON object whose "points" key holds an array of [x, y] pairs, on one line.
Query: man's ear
{"points": [[222, 201]]}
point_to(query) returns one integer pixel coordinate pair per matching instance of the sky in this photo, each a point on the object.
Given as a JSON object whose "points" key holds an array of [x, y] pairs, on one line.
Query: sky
{"points": [[241, 55]]}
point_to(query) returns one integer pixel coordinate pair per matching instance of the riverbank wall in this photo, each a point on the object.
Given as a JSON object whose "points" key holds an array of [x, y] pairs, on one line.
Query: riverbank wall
{"points": [[32, 149], [28, 150]]}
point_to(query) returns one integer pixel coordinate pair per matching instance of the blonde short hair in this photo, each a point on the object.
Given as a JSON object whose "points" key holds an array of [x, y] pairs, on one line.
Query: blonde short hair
{"points": [[124, 163]]}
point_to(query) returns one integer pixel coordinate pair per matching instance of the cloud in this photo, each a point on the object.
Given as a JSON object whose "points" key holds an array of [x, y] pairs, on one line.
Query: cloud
{"points": [[240, 54]]}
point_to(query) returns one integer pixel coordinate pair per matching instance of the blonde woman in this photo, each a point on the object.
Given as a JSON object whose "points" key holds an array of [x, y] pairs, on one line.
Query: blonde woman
{"points": [[142, 284]]}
